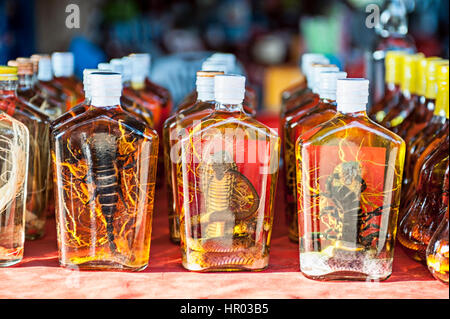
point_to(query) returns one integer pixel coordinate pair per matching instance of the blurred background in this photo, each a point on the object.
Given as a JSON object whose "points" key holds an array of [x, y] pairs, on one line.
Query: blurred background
{"points": [[267, 36]]}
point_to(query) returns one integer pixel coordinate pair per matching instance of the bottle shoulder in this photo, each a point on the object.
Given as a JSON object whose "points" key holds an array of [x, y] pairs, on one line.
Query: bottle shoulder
{"points": [[359, 130], [10, 124], [98, 119], [236, 120]]}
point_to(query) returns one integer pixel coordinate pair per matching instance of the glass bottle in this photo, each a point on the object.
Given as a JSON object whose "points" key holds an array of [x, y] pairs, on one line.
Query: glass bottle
{"points": [[174, 129], [133, 106], [38, 159], [105, 166], [218, 65], [14, 148], [45, 82], [290, 128], [391, 97], [348, 198], [64, 79], [438, 248], [422, 212], [420, 148], [157, 98], [422, 113], [27, 90], [43, 77], [322, 112], [229, 164], [408, 97], [304, 86]]}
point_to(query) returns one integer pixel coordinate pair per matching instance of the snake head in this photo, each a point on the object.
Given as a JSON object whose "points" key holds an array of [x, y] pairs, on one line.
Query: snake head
{"points": [[220, 162]]}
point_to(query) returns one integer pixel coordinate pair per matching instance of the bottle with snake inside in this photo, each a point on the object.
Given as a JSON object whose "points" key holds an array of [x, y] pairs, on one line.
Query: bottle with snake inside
{"points": [[349, 172], [229, 165]]}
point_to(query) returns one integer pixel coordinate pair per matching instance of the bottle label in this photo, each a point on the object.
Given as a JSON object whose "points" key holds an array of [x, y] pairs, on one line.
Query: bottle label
{"points": [[342, 198]]}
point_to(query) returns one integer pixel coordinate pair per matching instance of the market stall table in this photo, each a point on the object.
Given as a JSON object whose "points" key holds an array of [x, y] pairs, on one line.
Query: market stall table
{"points": [[39, 274]]}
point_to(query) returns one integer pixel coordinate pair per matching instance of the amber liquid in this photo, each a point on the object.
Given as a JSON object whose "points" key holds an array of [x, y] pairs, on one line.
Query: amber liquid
{"points": [[72, 89], [174, 129], [424, 212], [349, 173], [319, 114], [13, 172], [38, 161], [105, 167], [227, 193], [291, 127], [390, 100]]}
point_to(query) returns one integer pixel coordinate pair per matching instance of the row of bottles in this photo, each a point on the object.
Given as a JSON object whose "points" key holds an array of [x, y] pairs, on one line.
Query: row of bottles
{"points": [[343, 175], [98, 152], [416, 107]]}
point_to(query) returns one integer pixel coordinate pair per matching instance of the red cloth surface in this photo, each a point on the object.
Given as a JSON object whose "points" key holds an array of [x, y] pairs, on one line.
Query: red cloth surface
{"points": [[39, 274]]}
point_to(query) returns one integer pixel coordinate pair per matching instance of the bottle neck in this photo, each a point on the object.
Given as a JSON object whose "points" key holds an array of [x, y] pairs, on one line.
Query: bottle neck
{"points": [[231, 108], [356, 114], [25, 81], [104, 101]]}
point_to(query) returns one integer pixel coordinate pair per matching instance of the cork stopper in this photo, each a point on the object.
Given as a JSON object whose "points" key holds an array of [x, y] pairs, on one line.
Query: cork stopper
{"points": [[24, 66]]}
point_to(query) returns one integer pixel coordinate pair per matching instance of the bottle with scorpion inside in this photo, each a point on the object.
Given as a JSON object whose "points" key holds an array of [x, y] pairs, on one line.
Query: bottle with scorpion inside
{"points": [[229, 164], [14, 144], [105, 165], [349, 173]]}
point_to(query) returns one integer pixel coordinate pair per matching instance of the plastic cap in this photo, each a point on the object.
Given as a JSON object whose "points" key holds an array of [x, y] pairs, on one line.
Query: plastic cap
{"points": [[309, 58], [421, 79], [393, 65], [442, 99], [126, 68], [352, 95], [328, 84], [205, 85], [63, 64], [105, 83], [140, 66], [104, 66], [24, 66], [432, 66], [45, 69], [8, 73], [229, 89], [409, 72], [315, 74], [117, 66], [86, 81]]}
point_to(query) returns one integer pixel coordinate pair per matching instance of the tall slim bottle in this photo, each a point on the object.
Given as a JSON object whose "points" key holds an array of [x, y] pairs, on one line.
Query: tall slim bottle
{"points": [[408, 98], [174, 129], [304, 86], [322, 112], [105, 166], [290, 128], [391, 97], [349, 173], [229, 164], [14, 148], [37, 123]]}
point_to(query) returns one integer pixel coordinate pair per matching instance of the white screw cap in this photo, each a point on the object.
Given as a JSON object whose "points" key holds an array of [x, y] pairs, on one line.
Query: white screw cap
{"points": [[140, 66], [316, 70], [352, 95], [45, 69], [105, 85], [328, 84], [309, 58], [229, 89], [63, 64]]}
